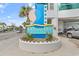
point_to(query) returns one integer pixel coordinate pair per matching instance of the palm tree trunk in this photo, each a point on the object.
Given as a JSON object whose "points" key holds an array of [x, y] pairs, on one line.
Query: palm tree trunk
{"points": [[28, 20]]}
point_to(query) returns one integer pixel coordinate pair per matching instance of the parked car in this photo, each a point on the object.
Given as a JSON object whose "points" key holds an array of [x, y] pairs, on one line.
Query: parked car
{"points": [[72, 32]]}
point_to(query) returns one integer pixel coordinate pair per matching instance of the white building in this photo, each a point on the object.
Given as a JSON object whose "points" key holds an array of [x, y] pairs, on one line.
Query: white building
{"points": [[63, 16], [52, 17], [68, 16]]}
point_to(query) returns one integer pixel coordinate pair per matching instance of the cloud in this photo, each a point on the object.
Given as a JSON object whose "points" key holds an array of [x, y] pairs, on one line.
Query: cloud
{"points": [[9, 21], [2, 7], [32, 5], [9, 17], [14, 21]]}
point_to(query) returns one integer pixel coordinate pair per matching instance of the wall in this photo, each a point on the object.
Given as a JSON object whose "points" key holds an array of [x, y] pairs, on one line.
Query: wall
{"points": [[68, 13], [60, 26], [53, 14], [70, 24], [55, 20]]}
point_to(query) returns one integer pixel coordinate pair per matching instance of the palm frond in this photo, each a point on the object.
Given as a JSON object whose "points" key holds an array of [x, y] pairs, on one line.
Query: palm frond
{"points": [[24, 11]]}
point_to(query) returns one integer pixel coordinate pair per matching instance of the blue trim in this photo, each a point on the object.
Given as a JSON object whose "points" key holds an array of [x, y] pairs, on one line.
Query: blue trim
{"points": [[39, 35]]}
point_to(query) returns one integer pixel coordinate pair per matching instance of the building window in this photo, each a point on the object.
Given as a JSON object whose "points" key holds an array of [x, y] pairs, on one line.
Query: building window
{"points": [[51, 6], [49, 21], [69, 6], [65, 6]]}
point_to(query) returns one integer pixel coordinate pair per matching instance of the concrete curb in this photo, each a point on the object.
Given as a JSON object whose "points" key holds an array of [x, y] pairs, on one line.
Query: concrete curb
{"points": [[39, 47]]}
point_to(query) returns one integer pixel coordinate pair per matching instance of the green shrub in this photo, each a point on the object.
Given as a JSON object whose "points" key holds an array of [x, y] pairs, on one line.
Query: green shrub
{"points": [[27, 37], [49, 38], [24, 38]]}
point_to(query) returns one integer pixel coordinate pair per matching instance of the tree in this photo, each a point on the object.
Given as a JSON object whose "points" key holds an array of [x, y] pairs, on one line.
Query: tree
{"points": [[24, 12], [3, 25], [24, 24], [13, 26]]}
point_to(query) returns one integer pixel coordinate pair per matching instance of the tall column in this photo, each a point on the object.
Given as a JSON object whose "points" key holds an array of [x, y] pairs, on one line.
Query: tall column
{"points": [[55, 20], [48, 6]]}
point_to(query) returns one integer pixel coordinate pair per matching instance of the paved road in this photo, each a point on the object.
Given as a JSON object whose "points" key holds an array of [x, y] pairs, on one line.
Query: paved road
{"points": [[10, 47], [8, 35]]}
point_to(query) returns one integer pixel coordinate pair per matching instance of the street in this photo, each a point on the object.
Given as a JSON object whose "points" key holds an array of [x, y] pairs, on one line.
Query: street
{"points": [[9, 46], [9, 35]]}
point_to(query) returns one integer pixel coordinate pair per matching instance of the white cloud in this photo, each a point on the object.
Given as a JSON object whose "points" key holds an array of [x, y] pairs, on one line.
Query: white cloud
{"points": [[9, 17], [3, 5], [14, 21], [32, 5], [10, 21]]}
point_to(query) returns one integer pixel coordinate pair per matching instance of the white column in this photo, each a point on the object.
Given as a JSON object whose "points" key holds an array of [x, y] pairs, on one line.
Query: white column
{"points": [[55, 20], [48, 6]]}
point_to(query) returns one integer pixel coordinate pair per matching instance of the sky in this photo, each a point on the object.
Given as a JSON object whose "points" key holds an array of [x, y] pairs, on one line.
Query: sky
{"points": [[9, 13]]}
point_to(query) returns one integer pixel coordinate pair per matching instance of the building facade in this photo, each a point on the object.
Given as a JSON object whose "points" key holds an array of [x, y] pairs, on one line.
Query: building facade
{"points": [[52, 17], [68, 16]]}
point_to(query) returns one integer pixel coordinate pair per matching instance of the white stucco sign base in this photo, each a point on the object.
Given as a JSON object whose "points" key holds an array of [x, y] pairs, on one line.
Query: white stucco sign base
{"points": [[39, 47]]}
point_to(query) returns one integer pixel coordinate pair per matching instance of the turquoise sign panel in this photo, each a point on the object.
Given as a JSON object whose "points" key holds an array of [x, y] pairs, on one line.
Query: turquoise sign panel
{"points": [[39, 9], [39, 31], [44, 30]]}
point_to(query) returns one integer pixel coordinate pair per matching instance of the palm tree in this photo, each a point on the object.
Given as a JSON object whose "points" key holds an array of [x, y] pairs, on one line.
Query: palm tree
{"points": [[13, 26], [24, 12], [24, 24], [3, 24]]}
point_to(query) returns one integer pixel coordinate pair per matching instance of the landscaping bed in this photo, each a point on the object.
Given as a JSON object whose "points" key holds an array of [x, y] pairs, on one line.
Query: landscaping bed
{"points": [[30, 38], [39, 45]]}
